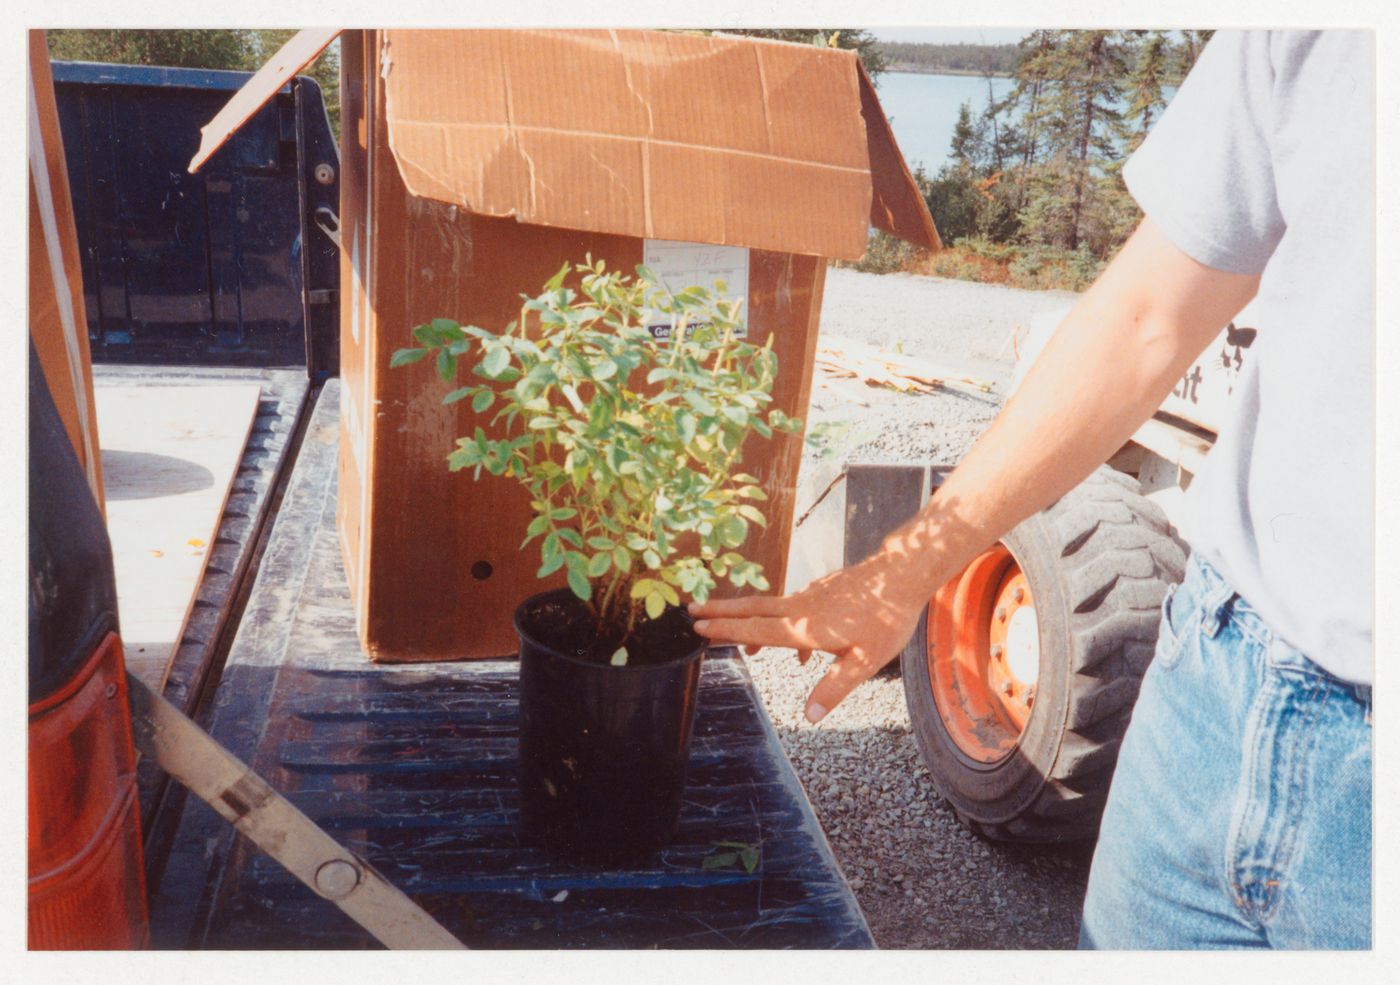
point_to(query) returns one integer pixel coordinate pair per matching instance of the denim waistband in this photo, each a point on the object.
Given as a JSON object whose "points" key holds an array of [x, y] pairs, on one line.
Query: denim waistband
{"points": [[1221, 605]]}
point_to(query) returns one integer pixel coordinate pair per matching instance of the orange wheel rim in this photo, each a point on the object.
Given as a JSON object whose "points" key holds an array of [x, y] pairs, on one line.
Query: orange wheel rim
{"points": [[983, 655]]}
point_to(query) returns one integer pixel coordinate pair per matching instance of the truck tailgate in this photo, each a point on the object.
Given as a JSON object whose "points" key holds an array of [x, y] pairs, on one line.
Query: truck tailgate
{"points": [[412, 766], [193, 662]]}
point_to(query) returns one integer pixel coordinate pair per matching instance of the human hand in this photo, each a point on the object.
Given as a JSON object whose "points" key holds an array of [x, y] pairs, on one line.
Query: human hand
{"points": [[863, 614]]}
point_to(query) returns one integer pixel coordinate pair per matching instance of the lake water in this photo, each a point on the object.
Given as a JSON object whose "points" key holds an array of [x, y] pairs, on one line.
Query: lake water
{"points": [[923, 110]]}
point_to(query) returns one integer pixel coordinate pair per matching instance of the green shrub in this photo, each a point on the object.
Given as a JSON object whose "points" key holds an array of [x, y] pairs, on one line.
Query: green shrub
{"points": [[628, 444]]}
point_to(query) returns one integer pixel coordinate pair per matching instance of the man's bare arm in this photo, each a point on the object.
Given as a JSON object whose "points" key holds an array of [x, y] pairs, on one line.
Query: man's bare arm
{"points": [[1106, 370]]}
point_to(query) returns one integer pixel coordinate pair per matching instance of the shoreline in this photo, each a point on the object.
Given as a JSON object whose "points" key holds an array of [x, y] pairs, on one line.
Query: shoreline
{"points": [[961, 72]]}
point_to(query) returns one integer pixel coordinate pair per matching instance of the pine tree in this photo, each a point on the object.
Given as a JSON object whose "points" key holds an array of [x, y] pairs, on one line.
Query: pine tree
{"points": [[1192, 43], [1085, 72], [1145, 98], [964, 147], [1033, 74]]}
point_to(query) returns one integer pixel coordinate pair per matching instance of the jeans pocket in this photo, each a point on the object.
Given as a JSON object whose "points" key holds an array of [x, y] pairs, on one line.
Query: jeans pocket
{"points": [[1170, 637]]}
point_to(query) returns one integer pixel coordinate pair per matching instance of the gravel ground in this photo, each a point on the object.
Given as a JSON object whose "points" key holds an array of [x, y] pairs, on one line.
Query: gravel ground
{"points": [[922, 879]]}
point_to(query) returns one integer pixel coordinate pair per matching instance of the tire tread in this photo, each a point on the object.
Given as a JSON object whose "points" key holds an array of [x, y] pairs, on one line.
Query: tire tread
{"points": [[1118, 554]]}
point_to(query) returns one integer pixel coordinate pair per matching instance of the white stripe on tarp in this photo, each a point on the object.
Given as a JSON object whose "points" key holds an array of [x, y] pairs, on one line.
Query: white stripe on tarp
{"points": [[38, 167]]}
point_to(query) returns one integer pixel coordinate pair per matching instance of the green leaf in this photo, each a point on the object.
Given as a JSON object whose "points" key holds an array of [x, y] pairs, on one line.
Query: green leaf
{"points": [[598, 565], [651, 559], [720, 860], [551, 547], [405, 356], [496, 360], [749, 858], [643, 586], [622, 560], [570, 536], [604, 369], [557, 281], [482, 400], [701, 405], [752, 513], [457, 394], [579, 585], [600, 543], [619, 659], [732, 531], [551, 565], [736, 414], [655, 605], [446, 364], [687, 426], [447, 330]]}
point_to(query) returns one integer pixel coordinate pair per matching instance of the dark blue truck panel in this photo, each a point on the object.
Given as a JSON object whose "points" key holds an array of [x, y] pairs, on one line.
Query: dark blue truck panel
{"points": [[225, 267]]}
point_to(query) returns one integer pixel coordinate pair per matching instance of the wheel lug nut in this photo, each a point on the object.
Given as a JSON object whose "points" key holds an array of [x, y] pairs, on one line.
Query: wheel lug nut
{"points": [[1001, 613], [1019, 594], [997, 650], [1005, 687]]}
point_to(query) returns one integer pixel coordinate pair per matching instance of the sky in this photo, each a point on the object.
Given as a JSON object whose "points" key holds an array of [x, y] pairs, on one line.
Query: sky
{"points": [[951, 35]]}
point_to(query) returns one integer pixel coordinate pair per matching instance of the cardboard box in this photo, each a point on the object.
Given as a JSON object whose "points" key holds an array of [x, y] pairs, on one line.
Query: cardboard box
{"points": [[473, 165], [57, 318]]}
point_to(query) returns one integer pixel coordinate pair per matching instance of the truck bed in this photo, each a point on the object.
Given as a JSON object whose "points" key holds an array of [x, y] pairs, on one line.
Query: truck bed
{"points": [[412, 766]]}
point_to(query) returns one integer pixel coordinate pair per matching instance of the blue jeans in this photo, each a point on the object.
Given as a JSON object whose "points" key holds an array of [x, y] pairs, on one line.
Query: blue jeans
{"points": [[1240, 811]]}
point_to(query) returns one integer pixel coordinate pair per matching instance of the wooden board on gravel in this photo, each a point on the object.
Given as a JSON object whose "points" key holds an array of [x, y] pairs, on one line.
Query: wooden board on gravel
{"points": [[850, 359], [169, 454]]}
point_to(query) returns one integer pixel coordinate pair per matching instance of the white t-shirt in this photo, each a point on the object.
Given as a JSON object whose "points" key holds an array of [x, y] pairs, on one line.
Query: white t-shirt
{"points": [[1265, 161]]}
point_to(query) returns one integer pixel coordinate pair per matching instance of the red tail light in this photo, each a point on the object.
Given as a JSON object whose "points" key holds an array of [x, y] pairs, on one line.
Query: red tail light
{"points": [[87, 885]]}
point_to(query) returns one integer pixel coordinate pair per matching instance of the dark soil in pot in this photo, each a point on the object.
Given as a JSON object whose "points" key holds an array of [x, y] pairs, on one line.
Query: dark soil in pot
{"points": [[603, 749]]}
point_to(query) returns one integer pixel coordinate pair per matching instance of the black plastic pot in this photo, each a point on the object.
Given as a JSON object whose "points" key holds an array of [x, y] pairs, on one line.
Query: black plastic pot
{"points": [[603, 749]]}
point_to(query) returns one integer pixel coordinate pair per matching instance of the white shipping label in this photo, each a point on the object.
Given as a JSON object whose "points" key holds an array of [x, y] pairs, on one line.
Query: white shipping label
{"points": [[681, 265]]}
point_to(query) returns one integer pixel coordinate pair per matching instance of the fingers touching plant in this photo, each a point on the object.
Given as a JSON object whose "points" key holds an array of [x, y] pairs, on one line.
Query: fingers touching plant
{"points": [[629, 444]]}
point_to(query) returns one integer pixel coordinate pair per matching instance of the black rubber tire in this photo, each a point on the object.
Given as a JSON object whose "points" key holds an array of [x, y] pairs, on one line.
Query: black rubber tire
{"points": [[1099, 562]]}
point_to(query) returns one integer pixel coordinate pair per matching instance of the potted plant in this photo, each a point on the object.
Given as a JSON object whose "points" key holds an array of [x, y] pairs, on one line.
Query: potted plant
{"points": [[629, 442]]}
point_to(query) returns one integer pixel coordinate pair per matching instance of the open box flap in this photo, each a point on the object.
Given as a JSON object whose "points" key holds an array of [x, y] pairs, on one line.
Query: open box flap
{"points": [[896, 204], [652, 134], [300, 51]]}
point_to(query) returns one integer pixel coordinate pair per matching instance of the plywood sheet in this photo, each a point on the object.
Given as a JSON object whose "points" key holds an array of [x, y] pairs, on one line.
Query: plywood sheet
{"points": [[169, 454]]}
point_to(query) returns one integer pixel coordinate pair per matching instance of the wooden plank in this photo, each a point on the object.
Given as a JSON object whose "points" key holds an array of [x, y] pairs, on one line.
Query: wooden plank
{"points": [[843, 358], [169, 454]]}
